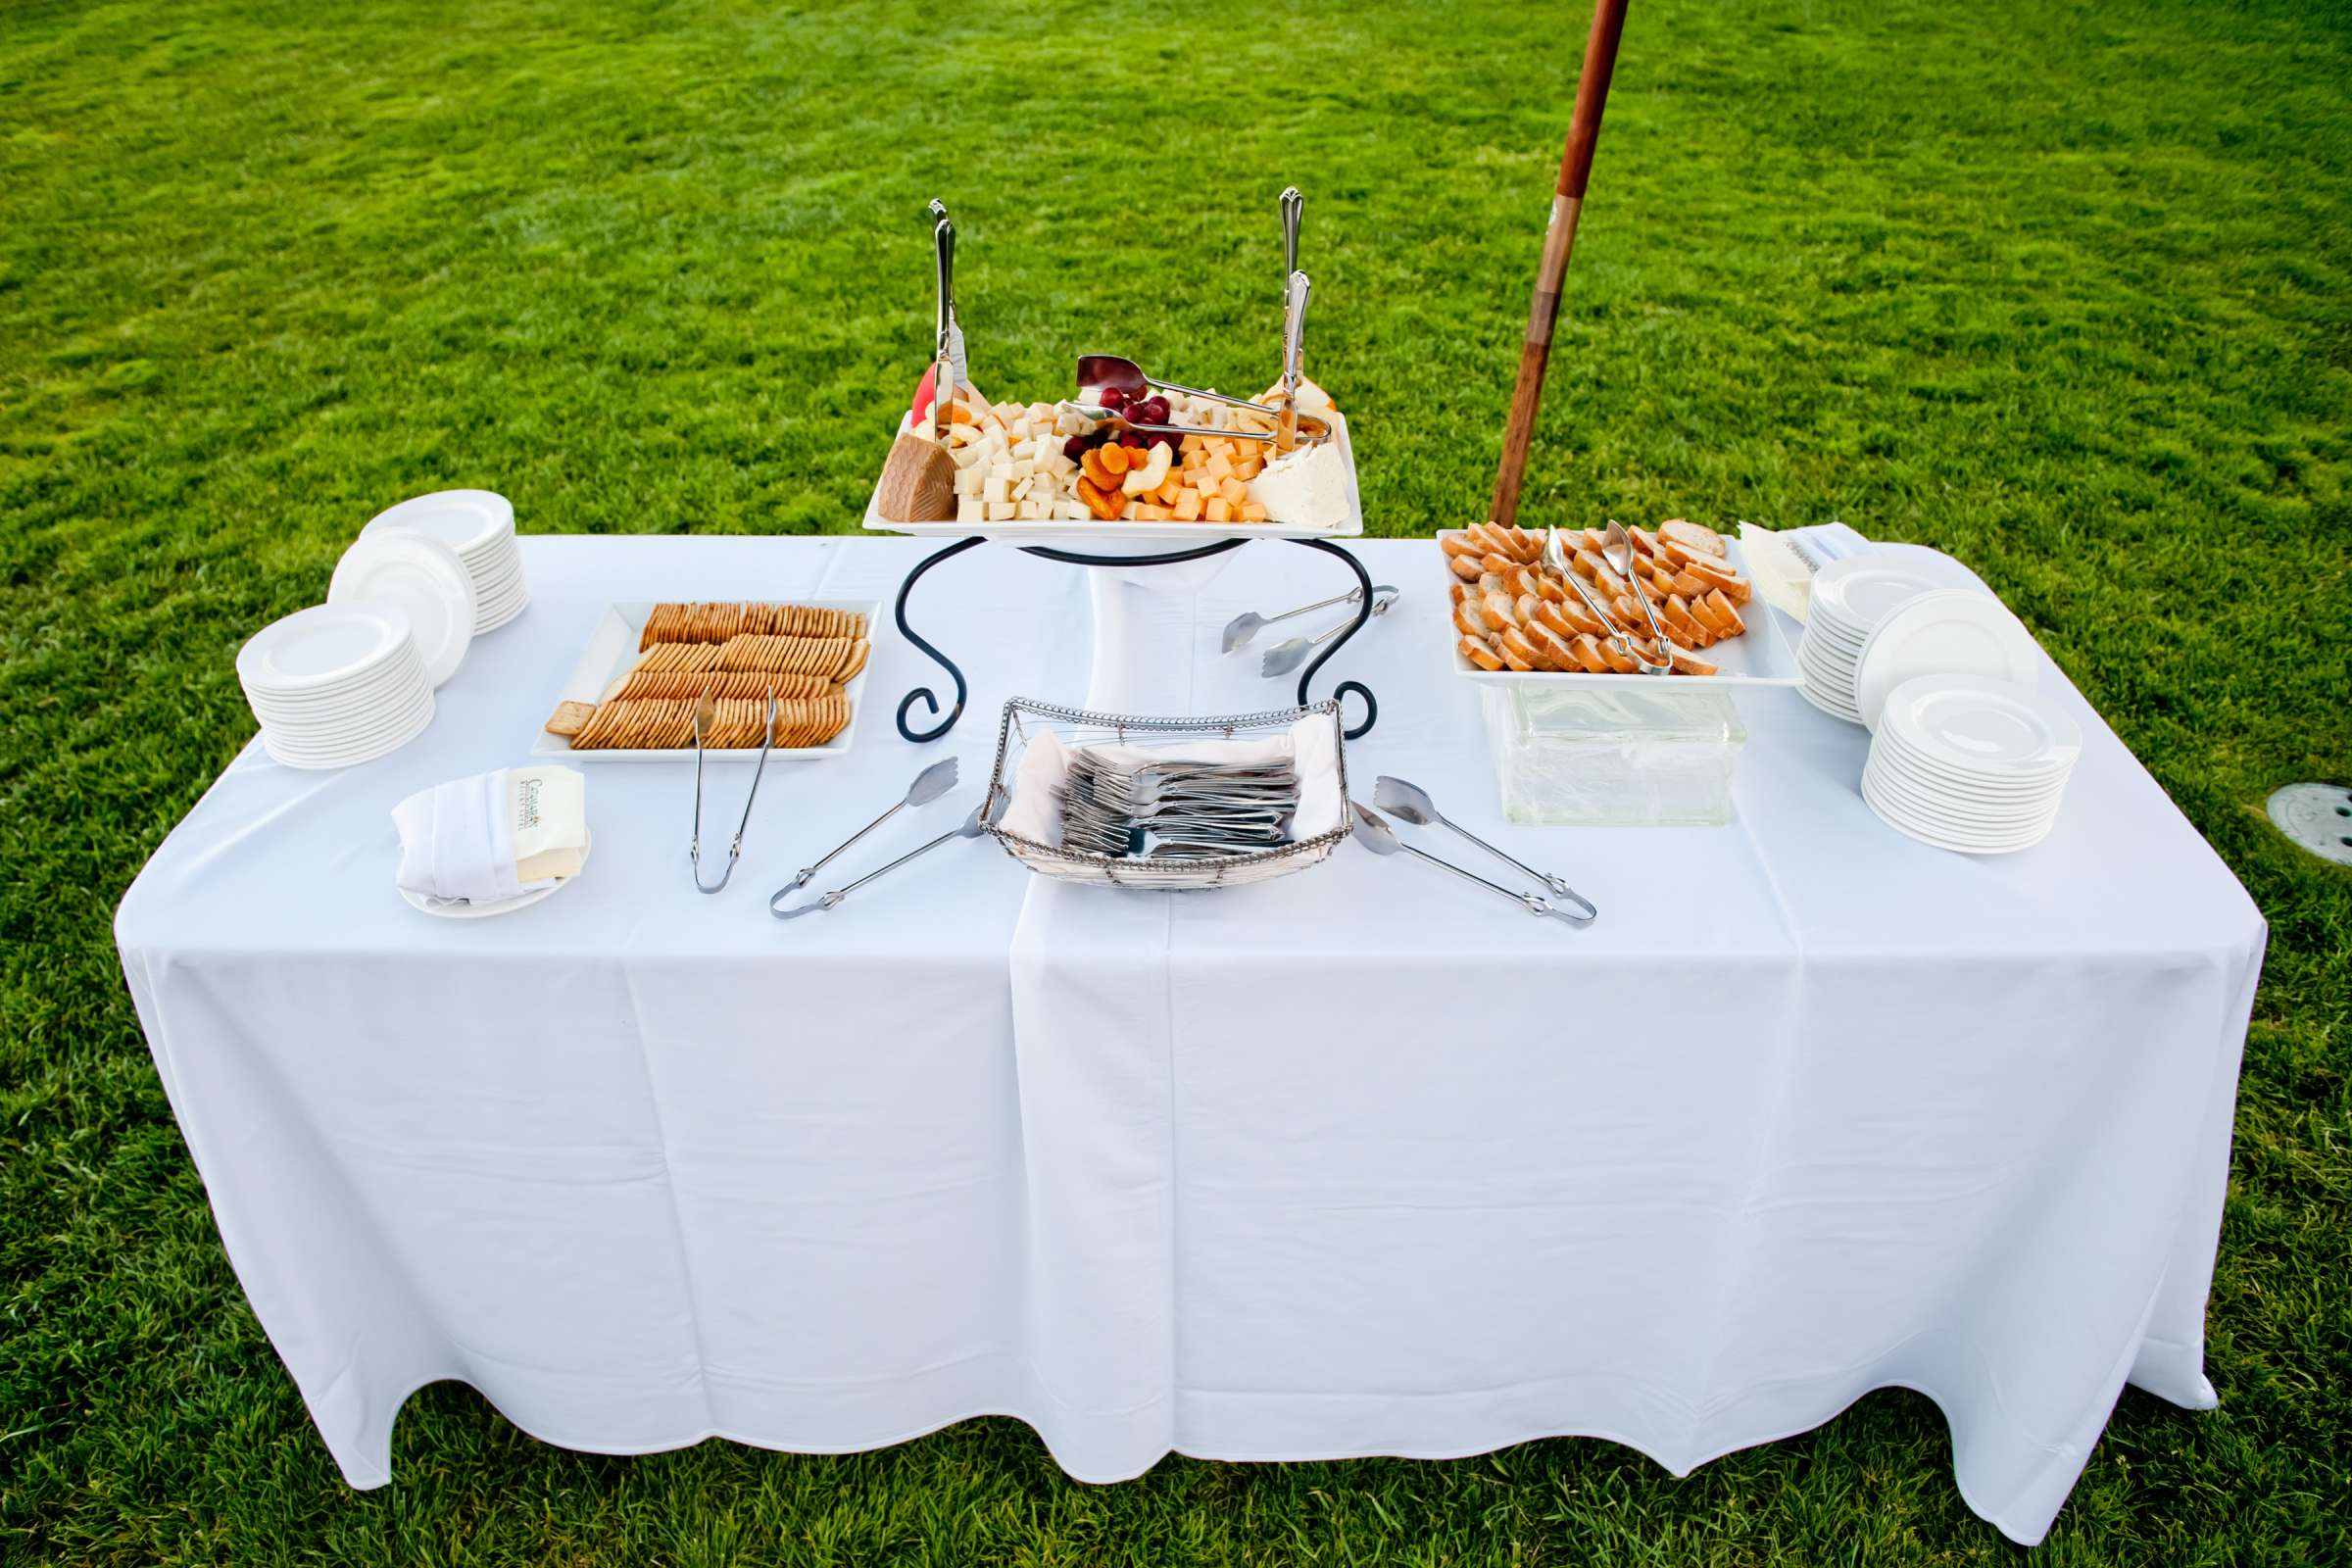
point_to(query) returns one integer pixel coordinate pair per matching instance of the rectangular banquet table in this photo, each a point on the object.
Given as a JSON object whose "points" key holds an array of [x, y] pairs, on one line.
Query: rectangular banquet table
{"points": [[1358, 1162]]}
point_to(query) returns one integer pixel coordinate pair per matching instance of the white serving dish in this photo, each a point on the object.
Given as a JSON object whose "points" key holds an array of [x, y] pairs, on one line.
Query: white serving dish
{"points": [[1134, 538], [1758, 657], [612, 648]]}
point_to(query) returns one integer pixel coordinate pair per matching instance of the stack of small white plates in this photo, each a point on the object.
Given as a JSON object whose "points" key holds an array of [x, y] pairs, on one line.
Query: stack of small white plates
{"points": [[1969, 764], [426, 580], [336, 684], [1850, 597], [480, 525]]}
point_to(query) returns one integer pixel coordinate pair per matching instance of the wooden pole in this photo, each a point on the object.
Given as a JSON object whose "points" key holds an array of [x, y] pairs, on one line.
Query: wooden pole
{"points": [[1576, 165]]}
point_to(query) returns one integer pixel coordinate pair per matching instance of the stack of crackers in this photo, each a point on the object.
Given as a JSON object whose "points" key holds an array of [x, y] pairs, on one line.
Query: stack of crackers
{"points": [[737, 656]]}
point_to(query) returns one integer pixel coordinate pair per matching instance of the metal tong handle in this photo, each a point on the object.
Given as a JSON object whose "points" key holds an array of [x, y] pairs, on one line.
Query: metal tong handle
{"points": [[1532, 902], [694, 846], [1293, 348], [1383, 596], [809, 871], [829, 899], [1558, 885], [943, 380], [1096, 412], [1294, 208], [1202, 392], [1656, 631], [1347, 598]]}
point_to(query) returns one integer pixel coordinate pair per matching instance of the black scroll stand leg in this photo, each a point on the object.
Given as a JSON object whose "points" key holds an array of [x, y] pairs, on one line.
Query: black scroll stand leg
{"points": [[943, 661], [1363, 614]]}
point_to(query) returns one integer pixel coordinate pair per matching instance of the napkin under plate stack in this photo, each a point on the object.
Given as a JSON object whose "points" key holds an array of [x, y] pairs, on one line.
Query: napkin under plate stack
{"points": [[336, 684], [1969, 764], [480, 525]]}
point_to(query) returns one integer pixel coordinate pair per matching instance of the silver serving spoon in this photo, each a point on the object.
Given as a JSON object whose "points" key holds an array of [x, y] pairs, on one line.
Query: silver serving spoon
{"points": [[1617, 549], [1285, 657], [1410, 803], [1555, 562], [983, 816], [1373, 832], [1243, 627], [928, 786]]}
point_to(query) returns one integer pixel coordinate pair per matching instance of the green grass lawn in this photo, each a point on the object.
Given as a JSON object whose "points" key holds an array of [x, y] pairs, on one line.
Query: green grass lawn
{"points": [[2067, 292]]}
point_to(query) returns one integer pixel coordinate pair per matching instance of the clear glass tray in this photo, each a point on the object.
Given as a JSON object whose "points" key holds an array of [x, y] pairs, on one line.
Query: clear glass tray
{"points": [[1627, 756]]}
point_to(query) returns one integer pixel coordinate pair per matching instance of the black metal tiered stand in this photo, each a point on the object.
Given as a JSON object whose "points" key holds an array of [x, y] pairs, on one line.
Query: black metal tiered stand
{"points": [[924, 695]]}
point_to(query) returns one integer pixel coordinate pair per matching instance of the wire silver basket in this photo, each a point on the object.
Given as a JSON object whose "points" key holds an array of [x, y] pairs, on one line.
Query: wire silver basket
{"points": [[1077, 727]]}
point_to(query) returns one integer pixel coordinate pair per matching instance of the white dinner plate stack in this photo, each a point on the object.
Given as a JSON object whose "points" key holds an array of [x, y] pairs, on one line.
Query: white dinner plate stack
{"points": [[1969, 764], [1850, 597], [480, 525], [336, 684], [423, 579]]}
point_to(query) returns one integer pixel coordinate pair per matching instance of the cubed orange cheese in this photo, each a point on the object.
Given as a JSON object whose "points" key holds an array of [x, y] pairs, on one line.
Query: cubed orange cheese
{"points": [[1251, 511], [1219, 511], [1188, 506]]}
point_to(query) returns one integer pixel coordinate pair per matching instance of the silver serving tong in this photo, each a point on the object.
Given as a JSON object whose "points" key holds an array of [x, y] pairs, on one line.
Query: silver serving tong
{"points": [[947, 352], [1243, 627], [928, 786], [1410, 803], [1293, 209], [1311, 430], [694, 846], [1373, 832], [983, 817], [1099, 372], [1617, 549], [1294, 349], [1556, 560], [1285, 657]]}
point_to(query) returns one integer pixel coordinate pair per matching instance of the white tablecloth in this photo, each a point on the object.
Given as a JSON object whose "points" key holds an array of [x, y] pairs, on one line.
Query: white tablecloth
{"points": [[1357, 1161]]}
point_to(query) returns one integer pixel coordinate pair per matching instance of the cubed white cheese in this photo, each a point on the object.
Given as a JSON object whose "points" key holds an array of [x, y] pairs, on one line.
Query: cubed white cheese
{"points": [[969, 508], [999, 511]]}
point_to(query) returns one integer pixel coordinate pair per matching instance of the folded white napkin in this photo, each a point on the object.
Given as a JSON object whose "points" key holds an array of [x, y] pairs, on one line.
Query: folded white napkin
{"points": [[1782, 562], [456, 843]]}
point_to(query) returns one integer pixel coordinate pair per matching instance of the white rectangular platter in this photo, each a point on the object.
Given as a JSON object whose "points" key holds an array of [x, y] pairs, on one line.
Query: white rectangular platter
{"points": [[612, 648], [1758, 657], [1134, 538]]}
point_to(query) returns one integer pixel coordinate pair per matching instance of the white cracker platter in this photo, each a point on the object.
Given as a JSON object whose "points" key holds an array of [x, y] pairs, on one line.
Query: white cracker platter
{"points": [[1758, 657], [613, 648]]}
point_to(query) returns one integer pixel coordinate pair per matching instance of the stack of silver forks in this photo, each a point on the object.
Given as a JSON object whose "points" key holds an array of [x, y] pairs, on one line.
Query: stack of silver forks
{"points": [[1175, 809]]}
